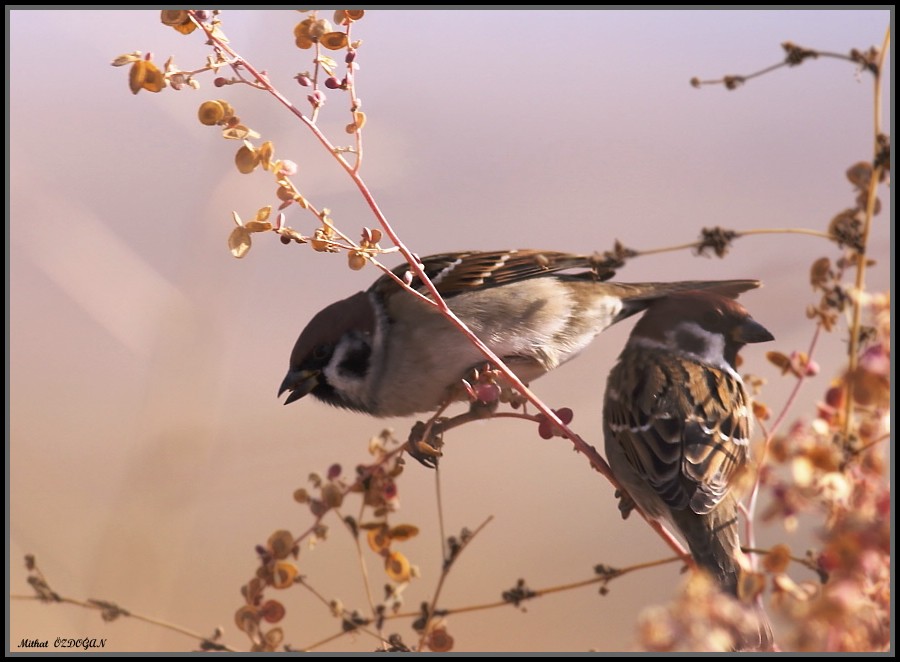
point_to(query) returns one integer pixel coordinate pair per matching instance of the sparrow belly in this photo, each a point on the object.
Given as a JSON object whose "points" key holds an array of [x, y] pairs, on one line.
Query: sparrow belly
{"points": [[529, 326]]}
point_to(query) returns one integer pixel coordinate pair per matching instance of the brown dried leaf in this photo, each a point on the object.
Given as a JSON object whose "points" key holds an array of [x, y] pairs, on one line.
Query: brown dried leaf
{"points": [[439, 641], [239, 132], [403, 532], [239, 242], [778, 559], [293, 234], [272, 611], [187, 28], [860, 174], [246, 618], [263, 213], [266, 152], [246, 159], [137, 76], [154, 81], [862, 203], [356, 260], [173, 17], [379, 539], [211, 113], [820, 272], [761, 411], [127, 58], [334, 41], [780, 361], [341, 15], [283, 575], [281, 544], [274, 637], [328, 63], [396, 565], [371, 526], [332, 495]]}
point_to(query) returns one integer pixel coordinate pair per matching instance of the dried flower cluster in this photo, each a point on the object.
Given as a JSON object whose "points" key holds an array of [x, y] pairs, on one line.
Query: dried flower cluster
{"points": [[700, 619], [842, 479]]}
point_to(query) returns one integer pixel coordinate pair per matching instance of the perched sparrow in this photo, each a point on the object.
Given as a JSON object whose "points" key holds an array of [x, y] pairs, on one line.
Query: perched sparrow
{"points": [[677, 425], [387, 353]]}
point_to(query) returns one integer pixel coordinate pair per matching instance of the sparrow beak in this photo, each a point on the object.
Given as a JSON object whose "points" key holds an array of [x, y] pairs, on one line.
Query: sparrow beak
{"points": [[751, 331], [300, 383]]}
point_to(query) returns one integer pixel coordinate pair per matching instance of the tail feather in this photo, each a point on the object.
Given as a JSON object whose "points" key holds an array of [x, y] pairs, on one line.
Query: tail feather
{"points": [[714, 544], [636, 297]]}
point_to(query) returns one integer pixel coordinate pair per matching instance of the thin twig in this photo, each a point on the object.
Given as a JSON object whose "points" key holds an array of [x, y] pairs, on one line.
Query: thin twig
{"points": [[440, 513], [363, 568], [770, 435], [862, 449], [445, 570], [538, 593], [874, 180], [127, 613]]}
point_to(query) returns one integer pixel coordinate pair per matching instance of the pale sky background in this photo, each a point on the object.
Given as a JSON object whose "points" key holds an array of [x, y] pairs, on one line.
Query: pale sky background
{"points": [[148, 452]]}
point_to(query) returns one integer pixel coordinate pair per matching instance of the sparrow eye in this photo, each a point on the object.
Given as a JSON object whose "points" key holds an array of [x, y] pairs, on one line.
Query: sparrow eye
{"points": [[321, 352]]}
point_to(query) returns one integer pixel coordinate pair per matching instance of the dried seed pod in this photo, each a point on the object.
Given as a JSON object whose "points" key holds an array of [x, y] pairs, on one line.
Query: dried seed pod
{"points": [[266, 152], [272, 611], [210, 113], [227, 108], [173, 17], [332, 496], [334, 41], [379, 539], [246, 159], [284, 574], [145, 75], [439, 641], [403, 532], [239, 242], [246, 618], [348, 15], [396, 565], [356, 260], [281, 544]]}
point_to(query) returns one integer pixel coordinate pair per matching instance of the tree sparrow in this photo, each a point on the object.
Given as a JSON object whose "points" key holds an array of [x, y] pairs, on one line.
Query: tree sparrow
{"points": [[387, 353], [677, 425]]}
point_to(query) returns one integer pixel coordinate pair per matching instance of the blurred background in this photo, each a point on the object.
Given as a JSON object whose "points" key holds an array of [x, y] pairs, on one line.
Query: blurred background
{"points": [[148, 453]]}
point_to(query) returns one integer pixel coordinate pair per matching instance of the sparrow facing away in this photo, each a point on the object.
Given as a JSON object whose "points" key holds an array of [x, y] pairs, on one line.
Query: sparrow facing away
{"points": [[387, 353], [677, 425]]}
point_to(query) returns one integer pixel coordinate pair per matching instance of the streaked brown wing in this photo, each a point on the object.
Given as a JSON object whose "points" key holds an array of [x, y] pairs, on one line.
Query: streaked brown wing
{"points": [[454, 273], [686, 443]]}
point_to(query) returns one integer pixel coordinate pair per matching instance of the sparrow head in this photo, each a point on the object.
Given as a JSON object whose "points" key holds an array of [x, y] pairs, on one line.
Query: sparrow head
{"points": [[331, 357], [702, 324]]}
